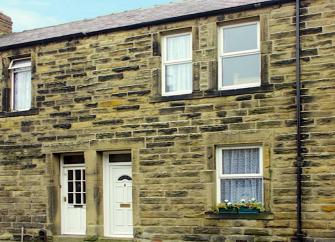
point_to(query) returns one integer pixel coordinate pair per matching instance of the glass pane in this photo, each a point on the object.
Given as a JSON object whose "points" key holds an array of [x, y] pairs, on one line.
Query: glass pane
{"points": [[240, 38], [178, 78], [240, 161], [84, 175], [73, 159], [78, 198], [22, 90], [70, 175], [21, 64], [70, 198], [236, 189], [241, 70], [178, 47], [70, 186], [84, 198], [78, 175], [84, 186], [78, 186], [120, 158]]}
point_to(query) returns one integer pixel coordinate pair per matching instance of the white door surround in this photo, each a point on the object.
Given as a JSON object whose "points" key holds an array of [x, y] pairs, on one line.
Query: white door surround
{"points": [[118, 207], [73, 196]]}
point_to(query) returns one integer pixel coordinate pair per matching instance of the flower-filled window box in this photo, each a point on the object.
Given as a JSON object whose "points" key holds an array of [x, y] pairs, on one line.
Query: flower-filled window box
{"points": [[242, 207]]}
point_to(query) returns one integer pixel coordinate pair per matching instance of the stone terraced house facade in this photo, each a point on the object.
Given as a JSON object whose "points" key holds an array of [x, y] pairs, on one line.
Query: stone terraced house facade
{"points": [[134, 126]]}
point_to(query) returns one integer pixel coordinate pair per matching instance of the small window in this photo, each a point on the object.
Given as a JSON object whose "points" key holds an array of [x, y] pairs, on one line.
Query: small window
{"points": [[239, 56], [73, 159], [177, 64], [239, 174], [76, 186], [120, 158], [20, 84]]}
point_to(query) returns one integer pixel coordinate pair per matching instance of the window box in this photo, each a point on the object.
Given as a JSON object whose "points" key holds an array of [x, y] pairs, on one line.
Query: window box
{"points": [[228, 210], [245, 210]]}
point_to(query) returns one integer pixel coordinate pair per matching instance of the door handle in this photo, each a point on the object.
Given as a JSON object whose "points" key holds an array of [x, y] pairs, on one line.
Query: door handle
{"points": [[64, 199]]}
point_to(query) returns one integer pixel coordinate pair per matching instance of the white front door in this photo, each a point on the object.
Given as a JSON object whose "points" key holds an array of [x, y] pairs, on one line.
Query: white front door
{"points": [[73, 198], [118, 213]]}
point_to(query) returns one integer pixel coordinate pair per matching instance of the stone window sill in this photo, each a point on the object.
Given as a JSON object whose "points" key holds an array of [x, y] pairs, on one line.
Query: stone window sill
{"points": [[30, 112], [258, 216], [213, 93]]}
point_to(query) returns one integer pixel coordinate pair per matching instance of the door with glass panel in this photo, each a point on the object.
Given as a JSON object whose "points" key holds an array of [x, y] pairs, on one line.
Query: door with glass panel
{"points": [[73, 197], [118, 207]]}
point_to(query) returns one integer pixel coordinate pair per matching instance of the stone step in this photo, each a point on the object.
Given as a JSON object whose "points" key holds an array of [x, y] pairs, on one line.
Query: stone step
{"points": [[85, 239]]}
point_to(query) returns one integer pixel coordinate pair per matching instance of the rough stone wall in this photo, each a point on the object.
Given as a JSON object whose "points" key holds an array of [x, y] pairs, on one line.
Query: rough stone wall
{"points": [[101, 91], [318, 80], [5, 24]]}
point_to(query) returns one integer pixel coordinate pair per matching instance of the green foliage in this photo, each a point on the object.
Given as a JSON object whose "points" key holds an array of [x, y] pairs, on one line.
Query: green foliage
{"points": [[251, 204]]}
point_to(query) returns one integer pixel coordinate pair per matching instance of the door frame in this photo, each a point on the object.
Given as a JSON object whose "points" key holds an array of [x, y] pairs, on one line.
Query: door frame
{"points": [[106, 194], [62, 190]]}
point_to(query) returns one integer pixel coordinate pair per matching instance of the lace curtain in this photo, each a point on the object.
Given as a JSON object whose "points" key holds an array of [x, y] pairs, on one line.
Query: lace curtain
{"points": [[241, 161]]}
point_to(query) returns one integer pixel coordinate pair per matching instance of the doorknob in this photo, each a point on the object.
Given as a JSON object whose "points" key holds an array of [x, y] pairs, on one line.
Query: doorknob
{"points": [[64, 199]]}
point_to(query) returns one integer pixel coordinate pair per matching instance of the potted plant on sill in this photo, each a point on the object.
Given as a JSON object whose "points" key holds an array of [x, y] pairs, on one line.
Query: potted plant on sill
{"points": [[250, 207], [243, 207], [226, 207]]}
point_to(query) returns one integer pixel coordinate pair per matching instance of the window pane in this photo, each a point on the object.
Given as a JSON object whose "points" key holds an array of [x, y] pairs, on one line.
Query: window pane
{"points": [[70, 186], [178, 47], [120, 158], [178, 77], [240, 38], [78, 175], [22, 90], [241, 70], [234, 190], [70, 175], [73, 159], [22, 64], [78, 198], [240, 161], [78, 186], [70, 198]]}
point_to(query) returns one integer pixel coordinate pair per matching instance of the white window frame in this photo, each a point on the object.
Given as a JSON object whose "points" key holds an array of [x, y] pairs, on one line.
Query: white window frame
{"points": [[222, 55], [13, 69], [165, 63], [220, 176]]}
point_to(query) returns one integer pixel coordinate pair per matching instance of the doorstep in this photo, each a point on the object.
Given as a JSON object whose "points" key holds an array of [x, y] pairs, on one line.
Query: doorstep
{"points": [[68, 238], [115, 240]]}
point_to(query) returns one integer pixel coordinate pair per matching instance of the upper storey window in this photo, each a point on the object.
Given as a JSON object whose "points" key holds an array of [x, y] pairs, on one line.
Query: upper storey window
{"points": [[239, 56], [20, 84], [177, 64]]}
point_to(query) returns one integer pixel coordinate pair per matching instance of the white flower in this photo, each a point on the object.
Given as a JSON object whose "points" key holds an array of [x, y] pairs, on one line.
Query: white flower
{"points": [[243, 200], [229, 203], [226, 201], [253, 199]]}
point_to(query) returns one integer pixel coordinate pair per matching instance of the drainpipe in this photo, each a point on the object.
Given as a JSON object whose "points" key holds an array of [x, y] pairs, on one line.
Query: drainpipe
{"points": [[299, 233]]}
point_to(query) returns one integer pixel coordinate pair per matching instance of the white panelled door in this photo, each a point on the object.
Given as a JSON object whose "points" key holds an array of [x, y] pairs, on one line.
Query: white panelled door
{"points": [[73, 199], [118, 199]]}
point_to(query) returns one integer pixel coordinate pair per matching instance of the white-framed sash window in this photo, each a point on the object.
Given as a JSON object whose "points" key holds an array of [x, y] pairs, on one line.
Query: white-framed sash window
{"points": [[239, 56], [20, 84], [177, 74], [239, 174]]}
